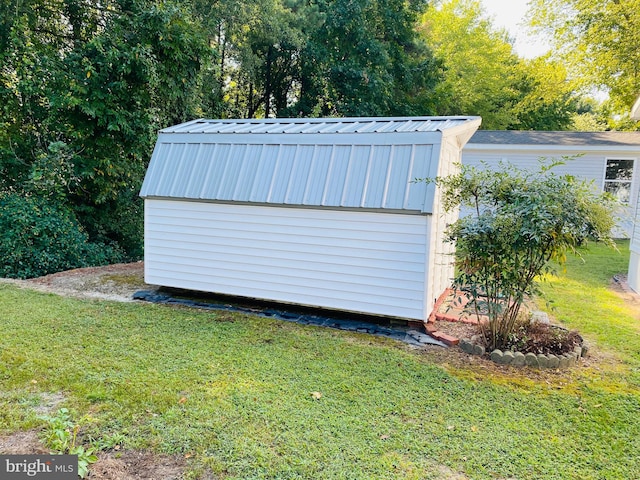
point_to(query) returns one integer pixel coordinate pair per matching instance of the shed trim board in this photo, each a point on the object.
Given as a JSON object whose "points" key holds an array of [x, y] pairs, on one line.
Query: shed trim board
{"points": [[314, 212]]}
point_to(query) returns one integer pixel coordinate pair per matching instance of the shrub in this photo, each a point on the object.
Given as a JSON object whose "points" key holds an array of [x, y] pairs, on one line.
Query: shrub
{"points": [[519, 222], [38, 237]]}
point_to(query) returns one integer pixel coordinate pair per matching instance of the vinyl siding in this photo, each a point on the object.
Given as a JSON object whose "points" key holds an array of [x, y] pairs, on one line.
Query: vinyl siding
{"points": [[590, 166], [346, 260], [587, 167], [441, 259]]}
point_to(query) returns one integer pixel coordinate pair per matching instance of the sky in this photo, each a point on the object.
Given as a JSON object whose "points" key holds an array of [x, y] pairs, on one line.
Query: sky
{"points": [[510, 14]]}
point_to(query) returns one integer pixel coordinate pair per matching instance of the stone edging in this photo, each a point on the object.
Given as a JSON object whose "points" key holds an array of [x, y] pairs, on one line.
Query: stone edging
{"points": [[519, 359]]}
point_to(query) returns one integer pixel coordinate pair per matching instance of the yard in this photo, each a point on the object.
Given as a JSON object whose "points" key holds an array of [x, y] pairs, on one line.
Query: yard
{"points": [[230, 396]]}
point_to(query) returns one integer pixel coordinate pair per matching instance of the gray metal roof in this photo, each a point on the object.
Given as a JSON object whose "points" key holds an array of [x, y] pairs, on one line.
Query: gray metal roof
{"points": [[365, 164], [527, 137], [320, 125]]}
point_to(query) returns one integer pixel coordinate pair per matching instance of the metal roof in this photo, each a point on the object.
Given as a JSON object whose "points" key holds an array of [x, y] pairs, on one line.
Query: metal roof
{"points": [[527, 137], [320, 125], [365, 164]]}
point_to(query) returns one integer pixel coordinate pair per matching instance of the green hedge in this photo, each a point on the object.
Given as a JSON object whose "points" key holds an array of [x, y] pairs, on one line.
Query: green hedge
{"points": [[38, 237]]}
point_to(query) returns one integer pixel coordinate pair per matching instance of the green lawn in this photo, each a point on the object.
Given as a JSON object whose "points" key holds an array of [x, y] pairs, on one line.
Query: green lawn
{"points": [[234, 392]]}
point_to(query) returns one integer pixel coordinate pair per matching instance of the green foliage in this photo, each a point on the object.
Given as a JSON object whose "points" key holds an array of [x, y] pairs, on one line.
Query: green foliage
{"points": [[84, 87], [38, 237], [483, 75], [519, 222], [61, 434], [598, 40]]}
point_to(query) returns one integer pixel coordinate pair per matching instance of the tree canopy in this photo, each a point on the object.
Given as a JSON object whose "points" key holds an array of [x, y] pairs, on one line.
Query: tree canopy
{"points": [[600, 42], [483, 75], [85, 86]]}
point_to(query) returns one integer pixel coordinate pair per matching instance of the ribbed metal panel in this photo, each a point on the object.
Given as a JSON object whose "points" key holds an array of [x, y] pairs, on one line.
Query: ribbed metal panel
{"points": [[358, 163], [349, 176]]}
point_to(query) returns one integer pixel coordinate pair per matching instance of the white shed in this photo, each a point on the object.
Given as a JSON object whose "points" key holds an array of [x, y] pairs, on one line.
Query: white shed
{"points": [[609, 159], [317, 212]]}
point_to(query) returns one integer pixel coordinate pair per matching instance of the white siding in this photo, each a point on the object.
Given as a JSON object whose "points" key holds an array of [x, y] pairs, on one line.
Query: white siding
{"points": [[442, 261], [346, 260], [589, 167], [633, 274]]}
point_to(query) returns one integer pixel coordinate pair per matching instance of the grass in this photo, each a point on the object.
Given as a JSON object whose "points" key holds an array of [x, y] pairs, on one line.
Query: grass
{"points": [[583, 300], [234, 393]]}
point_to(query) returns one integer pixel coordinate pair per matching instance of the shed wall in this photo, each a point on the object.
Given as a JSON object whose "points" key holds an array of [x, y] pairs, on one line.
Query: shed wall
{"points": [[440, 261], [347, 260]]}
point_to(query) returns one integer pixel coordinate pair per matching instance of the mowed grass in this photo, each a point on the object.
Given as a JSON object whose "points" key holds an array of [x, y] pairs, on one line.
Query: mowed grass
{"points": [[244, 397], [582, 298]]}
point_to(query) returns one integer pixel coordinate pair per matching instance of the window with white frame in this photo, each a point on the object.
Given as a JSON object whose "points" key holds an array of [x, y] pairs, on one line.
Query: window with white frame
{"points": [[617, 178]]}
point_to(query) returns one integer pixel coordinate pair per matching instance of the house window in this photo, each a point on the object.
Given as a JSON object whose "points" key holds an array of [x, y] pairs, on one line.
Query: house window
{"points": [[617, 178]]}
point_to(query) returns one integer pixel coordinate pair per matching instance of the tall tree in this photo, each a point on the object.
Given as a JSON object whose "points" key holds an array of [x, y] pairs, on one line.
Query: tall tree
{"points": [[599, 40], [366, 59], [84, 88], [484, 76]]}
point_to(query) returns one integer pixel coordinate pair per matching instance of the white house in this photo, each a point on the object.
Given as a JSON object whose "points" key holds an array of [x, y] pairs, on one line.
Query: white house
{"points": [[634, 246], [318, 212], [609, 159], [635, 110]]}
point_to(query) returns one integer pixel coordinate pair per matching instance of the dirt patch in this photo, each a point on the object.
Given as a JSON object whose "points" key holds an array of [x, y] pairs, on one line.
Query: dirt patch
{"points": [[22, 443], [621, 287], [128, 465], [112, 282], [458, 329], [49, 403], [134, 465]]}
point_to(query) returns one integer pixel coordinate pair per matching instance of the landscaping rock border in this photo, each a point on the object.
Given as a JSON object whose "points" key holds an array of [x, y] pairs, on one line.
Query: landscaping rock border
{"points": [[518, 359]]}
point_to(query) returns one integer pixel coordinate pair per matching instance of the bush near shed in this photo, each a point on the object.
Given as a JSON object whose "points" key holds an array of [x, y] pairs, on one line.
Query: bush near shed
{"points": [[520, 222], [38, 237]]}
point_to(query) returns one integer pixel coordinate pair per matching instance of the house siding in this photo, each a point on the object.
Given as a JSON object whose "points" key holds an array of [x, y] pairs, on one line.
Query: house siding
{"points": [[346, 260], [588, 166]]}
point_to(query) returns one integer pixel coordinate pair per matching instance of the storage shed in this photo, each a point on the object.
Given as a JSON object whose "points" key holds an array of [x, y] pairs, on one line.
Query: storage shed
{"points": [[609, 159], [317, 212]]}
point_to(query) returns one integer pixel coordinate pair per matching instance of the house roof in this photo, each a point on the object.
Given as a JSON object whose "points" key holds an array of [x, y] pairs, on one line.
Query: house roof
{"points": [[332, 162], [526, 137]]}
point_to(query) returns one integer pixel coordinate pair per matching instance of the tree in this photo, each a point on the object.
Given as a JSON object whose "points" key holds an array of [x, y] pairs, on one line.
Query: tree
{"points": [[600, 42], [84, 86], [520, 222], [365, 59], [483, 76]]}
